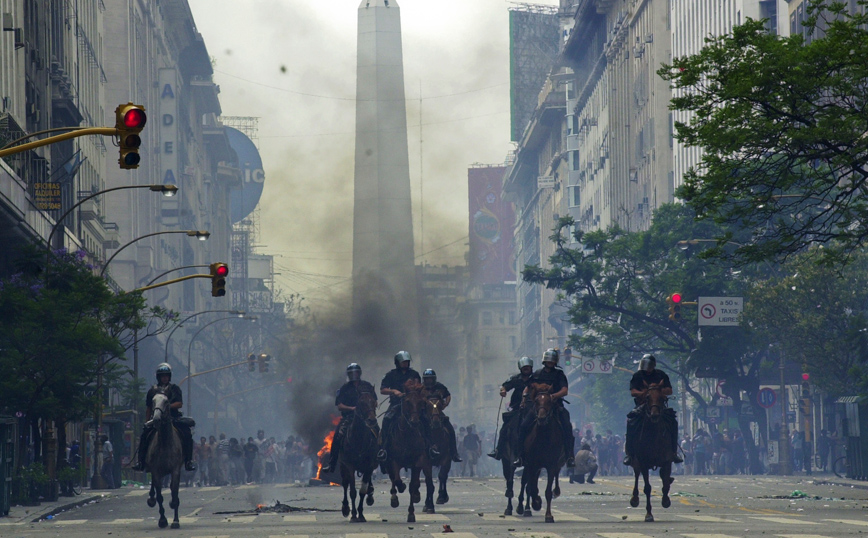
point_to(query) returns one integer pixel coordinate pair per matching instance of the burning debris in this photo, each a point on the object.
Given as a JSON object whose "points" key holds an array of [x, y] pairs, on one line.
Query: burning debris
{"points": [[330, 479], [278, 508]]}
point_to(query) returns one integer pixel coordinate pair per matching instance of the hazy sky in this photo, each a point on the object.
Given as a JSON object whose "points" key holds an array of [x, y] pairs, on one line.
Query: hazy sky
{"points": [[292, 64]]}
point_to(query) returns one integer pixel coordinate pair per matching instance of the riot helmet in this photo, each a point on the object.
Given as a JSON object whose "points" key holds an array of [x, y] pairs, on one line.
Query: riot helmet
{"points": [[648, 363], [354, 372], [429, 378], [164, 369], [551, 355], [401, 356], [525, 362]]}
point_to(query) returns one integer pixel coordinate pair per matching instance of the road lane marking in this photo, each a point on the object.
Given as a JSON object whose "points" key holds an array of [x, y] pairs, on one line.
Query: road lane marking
{"points": [[431, 517], [239, 519], [849, 521], [247, 486], [194, 512], [367, 535], [212, 536], [69, 521], [124, 521], [187, 520], [289, 536], [495, 517], [535, 535], [762, 511], [454, 535], [560, 515], [622, 535], [802, 536], [209, 488], [785, 521], [137, 493], [685, 501], [708, 536], [300, 518], [708, 519]]}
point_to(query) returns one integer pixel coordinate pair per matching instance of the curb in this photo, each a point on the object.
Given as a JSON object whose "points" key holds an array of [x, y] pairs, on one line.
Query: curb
{"points": [[58, 509], [842, 484]]}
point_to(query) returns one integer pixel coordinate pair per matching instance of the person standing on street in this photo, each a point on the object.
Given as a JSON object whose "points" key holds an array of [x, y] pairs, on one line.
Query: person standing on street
{"points": [[108, 457]]}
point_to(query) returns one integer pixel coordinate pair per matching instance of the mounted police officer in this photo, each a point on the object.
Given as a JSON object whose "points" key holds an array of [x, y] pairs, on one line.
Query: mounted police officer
{"points": [[176, 401], [516, 383], [550, 374], [392, 385], [346, 400], [649, 376], [439, 390]]}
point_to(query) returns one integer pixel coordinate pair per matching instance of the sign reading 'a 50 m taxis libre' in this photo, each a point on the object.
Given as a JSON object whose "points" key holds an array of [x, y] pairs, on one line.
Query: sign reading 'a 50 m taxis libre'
{"points": [[720, 311]]}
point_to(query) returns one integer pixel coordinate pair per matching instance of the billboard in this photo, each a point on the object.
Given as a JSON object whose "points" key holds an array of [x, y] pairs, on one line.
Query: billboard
{"points": [[243, 201], [491, 227]]}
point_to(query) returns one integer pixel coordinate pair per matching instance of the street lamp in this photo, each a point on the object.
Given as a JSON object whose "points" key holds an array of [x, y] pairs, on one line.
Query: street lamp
{"points": [[189, 357], [199, 234], [161, 275], [239, 313], [167, 190]]}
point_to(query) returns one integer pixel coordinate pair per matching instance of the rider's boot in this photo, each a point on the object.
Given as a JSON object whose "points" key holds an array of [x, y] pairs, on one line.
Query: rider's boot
{"points": [[382, 456], [332, 464], [139, 464], [453, 447], [676, 458], [628, 460], [189, 464]]}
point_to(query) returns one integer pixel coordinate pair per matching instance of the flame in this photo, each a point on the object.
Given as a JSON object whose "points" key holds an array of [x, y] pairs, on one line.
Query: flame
{"points": [[326, 447]]}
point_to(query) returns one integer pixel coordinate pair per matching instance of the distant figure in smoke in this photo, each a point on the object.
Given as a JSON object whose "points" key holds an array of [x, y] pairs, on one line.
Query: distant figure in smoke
{"points": [[346, 400], [439, 390], [392, 385]]}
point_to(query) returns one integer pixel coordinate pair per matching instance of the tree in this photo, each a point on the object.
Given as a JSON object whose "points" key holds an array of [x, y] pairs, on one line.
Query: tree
{"points": [[782, 126], [616, 284]]}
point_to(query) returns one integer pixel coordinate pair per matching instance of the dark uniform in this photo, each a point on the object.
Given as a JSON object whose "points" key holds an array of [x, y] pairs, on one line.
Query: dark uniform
{"points": [[173, 393], [558, 380], [395, 380], [347, 395], [440, 391], [516, 383], [641, 380]]}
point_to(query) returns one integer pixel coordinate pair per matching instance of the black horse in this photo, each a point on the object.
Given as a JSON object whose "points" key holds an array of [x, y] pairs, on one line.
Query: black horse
{"points": [[543, 449], [652, 448], [359, 455], [407, 448], [440, 435], [164, 456], [511, 426]]}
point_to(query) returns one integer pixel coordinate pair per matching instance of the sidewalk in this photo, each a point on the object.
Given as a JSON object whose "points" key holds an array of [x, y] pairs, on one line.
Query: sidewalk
{"points": [[27, 514]]}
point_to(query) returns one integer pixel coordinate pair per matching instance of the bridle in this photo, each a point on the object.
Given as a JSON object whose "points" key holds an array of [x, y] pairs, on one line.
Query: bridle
{"points": [[659, 403], [542, 406]]}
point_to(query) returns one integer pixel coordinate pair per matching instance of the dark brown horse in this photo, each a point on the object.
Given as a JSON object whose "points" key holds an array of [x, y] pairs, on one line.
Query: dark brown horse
{"points": [[408, 449], [543, 449], [652, 448], [164, 456], [510, 430], [359, 455], [440, 436]]}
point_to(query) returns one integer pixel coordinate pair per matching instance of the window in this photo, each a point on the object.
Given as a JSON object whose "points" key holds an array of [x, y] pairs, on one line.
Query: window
{"points": [[487, 345], [486, 317]]}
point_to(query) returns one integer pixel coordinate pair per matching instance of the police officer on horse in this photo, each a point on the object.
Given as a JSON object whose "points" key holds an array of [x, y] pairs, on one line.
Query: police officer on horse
{"points": [[439, 391], [516, 383], [392, 385], [346, 400], [550, 374], [646, 377], [176, 401]]}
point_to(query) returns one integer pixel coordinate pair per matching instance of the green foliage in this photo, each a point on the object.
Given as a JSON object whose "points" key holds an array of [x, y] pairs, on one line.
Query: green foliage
{"points": [[782, 126]]}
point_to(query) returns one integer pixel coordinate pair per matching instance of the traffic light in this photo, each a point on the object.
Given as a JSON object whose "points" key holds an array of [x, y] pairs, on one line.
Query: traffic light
{"points": [[251, 362], [263, 362], [674, 301], [806, 385], [219, 272], [130, 119], [568, 357]]}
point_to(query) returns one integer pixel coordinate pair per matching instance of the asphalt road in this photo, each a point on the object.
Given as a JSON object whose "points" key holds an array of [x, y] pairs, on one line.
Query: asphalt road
{"points": [[702, 507]]}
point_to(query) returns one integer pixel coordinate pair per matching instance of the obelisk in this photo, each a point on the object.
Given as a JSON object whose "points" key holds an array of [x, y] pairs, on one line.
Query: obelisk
{"points": [[384, 282]]}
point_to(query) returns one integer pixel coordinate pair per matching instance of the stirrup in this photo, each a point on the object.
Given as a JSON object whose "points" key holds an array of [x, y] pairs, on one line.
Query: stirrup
{"points": [[190, 466], [381, 455], [138, 466], [628, 460], [433, 452], [677, 459], [571, 462], [493, 454]]}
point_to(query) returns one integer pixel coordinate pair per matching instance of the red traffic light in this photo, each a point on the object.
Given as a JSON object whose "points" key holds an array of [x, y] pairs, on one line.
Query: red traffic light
{"points": [[222, 270], [806, 376], [135, 118], [676, 297]]}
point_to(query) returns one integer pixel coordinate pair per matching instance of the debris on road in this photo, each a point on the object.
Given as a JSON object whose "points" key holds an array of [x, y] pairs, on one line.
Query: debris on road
{"points": [[447, 528]]}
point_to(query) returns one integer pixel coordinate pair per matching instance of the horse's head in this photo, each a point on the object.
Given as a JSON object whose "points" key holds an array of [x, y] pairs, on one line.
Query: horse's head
{"points": [[655, 402], [435, 410], [414, 403], [366, 407], [161, 407], [540, 394]]}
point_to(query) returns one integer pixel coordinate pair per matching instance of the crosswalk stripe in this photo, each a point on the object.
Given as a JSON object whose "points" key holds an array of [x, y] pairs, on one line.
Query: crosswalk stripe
{"points": [[708, 536], [212, 536], [495, 517], [564, 516], [69, 521], [209, 488], [124, 521], [137, 493], [431, 517], [240, 519], [785, 521], [289, 536], [455, 535], [300, 518], [849, 521], [247, 486], [622, 535], [367, 535], [802, 536], [535, 535], [708, 519]]}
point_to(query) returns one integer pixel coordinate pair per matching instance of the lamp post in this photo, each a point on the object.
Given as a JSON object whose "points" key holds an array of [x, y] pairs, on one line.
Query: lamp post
{"points": [[198, 234], [784, 438], [189, 357], [161, 275], [167, 190]]}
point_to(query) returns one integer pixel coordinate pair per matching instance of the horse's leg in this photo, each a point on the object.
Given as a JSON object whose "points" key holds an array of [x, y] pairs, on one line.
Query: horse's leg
{"points": [[634, 500], [557, 491], [369, 490], [666, 477], [537, 500], [395, 477], [345, 482], [152, 501], [429, 486], [527, 488], [508, 475], [552, 477], [648, 517], [443, 476], [352, 481], [363, 491], [414, 494], [158, 484], [175, 503]]}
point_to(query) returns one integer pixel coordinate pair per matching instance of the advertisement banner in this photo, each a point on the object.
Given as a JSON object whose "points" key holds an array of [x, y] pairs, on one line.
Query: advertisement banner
{"points": [[491, 227]]}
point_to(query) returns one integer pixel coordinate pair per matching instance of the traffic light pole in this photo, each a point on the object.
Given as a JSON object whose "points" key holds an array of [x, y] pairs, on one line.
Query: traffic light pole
{"points": [[104, 131], [173, 281]]}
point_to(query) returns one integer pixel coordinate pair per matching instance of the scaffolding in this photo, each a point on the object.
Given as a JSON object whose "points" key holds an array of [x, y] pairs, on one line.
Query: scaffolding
{"points": [[248, 125], [534, 43]]}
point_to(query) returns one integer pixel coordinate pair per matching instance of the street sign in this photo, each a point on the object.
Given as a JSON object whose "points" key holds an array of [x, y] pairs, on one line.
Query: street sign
{"points": [[597, 366], [766, 397], [720, 311], [773, 452]]}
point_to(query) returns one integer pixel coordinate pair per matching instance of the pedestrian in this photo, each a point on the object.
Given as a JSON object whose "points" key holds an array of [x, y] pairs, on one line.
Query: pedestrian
{"points": [[222, 453], [236, 462], [108, 458], [586, 463], [823, 446], [214, 470], [202, 454], [250, 453], [473, 449]]}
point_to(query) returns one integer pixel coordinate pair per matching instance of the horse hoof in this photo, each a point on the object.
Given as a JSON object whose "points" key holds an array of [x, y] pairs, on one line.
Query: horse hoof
{"points": [[411, 518], [354, 519], [370, 500], [536, 503], [443, 499], [557, 492], [550, 519], [527, 513], [163, 523], [666, 502], [175, 525], [152, 502], [519, 510], [394, 502], [507, 512], [345, 510], [361, 519], [649, 518], [401, 487], [634, 502], [416, 497]]}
